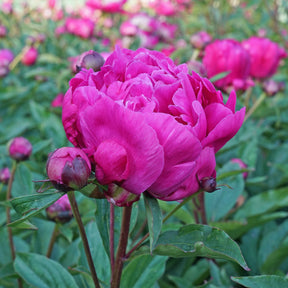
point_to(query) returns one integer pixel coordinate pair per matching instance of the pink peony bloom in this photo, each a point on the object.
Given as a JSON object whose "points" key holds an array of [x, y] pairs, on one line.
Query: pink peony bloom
{"points": [[146, 124], [19, 148], [5, 175], [60, 211], [228, 56], [242, 165], [30, 56], [110, 6], [3, 31], [68, 168], [200, 40], [57, 101], [128, 29], [80, 27], [265, 56], [164, 7], [6, 57]]}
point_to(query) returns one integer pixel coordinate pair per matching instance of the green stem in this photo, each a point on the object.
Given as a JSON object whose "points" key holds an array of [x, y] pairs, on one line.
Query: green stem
{"points": [[112, 219], [164, 220], [77, 216], [8, 216], [121, 251], [52, 241], [255, 106]]}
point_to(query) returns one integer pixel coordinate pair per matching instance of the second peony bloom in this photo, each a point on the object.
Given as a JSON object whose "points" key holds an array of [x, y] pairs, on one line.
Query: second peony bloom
{"points": [[146, 124]]}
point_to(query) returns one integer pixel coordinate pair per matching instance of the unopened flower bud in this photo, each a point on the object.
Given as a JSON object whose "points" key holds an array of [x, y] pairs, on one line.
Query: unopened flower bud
{"points": [[91, 60], [4, 175], [19, 149], [120, 197], [30, 56], [68, 168], [60, 211], [208, 184]]}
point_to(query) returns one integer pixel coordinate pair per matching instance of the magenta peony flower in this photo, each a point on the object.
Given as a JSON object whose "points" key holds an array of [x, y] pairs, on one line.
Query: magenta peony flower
{"points": [[5, 175], [68, 168], [265, 56], [57, 101], [60, 211], [228, 56], [19, 148], [30, 56], [6, 57], [110, 6], [80, 27], [146, 124], [200, 40]]}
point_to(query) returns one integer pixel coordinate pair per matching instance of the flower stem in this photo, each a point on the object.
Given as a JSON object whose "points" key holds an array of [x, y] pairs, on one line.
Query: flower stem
{"points": [[77, 216], [52, 241], [202, 208], [8, 216], [120, 257], [255, 106], [112, 219], [164, 220]]}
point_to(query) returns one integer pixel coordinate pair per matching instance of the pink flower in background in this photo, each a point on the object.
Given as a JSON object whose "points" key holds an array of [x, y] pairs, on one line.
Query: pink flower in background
{"points": [[163, 7], [58, 101], [228, 56], [68, 168], [30, 56], [80, 27], [162, 126], [128, 29], [200, 40], [51, 4], [19, 148], [265, 56], [6, 57], [110, 6], [60, 211], [3, 31], [5, 175], [242, 165]]}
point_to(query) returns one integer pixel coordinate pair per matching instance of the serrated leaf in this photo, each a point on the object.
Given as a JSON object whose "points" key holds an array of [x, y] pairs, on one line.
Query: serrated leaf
{"points": [[28, 206], [197, 240], [42, 272], [263, 281], [154, 218]]}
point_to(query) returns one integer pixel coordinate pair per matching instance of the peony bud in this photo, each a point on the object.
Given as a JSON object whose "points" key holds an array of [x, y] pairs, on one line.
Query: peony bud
{"points": [[120, 197], [60, 211], [208, 184], [68, 168], [5, 175], [19, 149], [30, 56], [91, 59]]}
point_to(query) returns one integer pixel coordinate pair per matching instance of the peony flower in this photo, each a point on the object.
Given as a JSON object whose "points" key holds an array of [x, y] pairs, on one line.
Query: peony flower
{"points": [[80, 27], [68, 168], [228, 56], [147, 125], [242, 165], [57, 101], [5, 175], [110, 6], [6, 57], [19, 148], [265, 56], [60, 211], [200, 40], [30, 56]]}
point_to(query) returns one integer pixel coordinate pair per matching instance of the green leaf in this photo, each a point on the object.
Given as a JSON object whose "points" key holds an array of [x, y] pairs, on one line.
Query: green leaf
{"points": [[263, 281], [143, 271], [219, 203], [22, 184], [42, 272], [197, 240], [28, 206], [263, 203], [219, 76], [154, 218]]}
